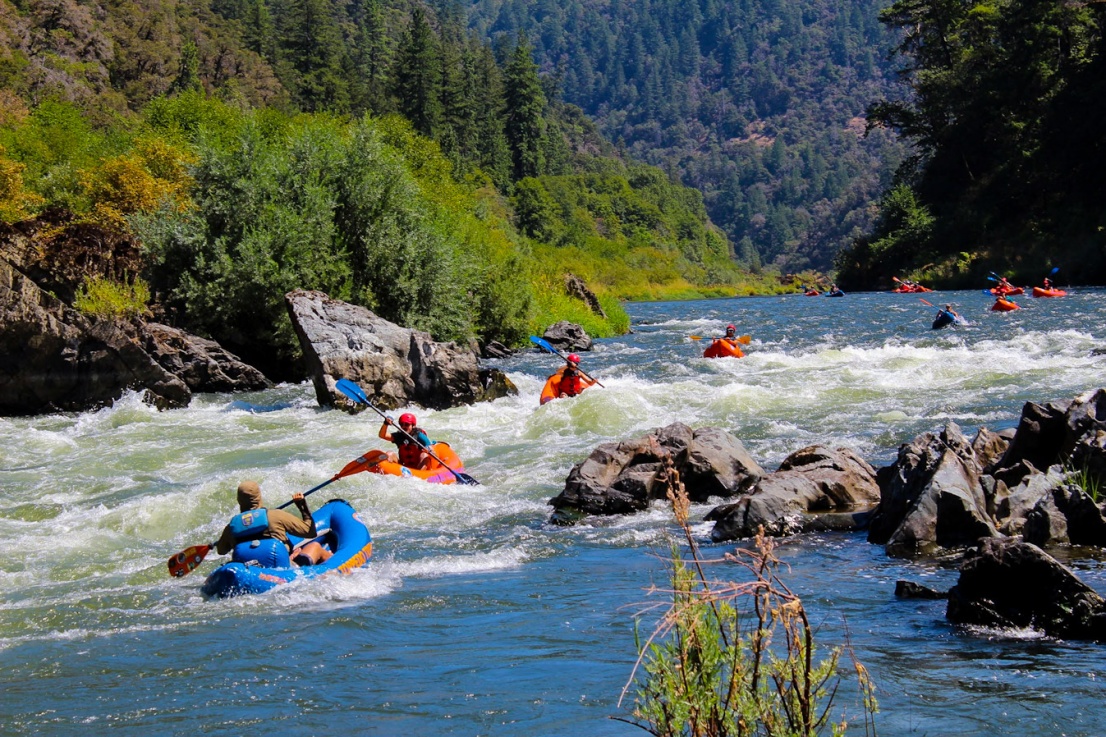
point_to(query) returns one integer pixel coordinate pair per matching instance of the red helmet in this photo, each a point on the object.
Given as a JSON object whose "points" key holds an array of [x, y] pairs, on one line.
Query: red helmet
{"points": [[407, 419], [731, 328], [573, 358]]}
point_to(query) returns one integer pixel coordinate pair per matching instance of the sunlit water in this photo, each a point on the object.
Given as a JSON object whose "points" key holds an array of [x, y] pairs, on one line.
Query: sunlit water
{"points": [[475, 615]]}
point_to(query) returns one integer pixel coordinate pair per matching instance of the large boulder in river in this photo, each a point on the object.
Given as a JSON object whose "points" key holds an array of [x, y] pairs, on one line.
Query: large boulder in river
{"points": [[204, 365], [932, 497], [619, 478], [394, 365], [816, 488], [1012, 584], [1057, 433], [568, 336]]}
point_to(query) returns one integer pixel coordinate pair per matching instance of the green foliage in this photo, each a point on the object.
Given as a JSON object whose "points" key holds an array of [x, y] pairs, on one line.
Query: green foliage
{"points": [[736, 658], [108, 299], [1007, 162], [758, 105], [525, 112]]}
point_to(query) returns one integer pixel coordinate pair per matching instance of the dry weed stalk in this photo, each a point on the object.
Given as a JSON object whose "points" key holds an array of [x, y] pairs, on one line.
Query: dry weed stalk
{"points": [[706, 673]]}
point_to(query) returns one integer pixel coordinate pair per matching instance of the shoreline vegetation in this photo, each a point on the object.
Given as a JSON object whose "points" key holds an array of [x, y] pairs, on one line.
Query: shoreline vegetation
{"points": [[222, 210]]}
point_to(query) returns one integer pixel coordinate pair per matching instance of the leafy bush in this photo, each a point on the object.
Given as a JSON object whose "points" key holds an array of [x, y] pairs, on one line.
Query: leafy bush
{"points": [[109, 299]]}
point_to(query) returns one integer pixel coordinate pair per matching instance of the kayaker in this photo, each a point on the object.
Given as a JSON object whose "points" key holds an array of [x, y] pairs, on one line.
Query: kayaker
{"points": [[270, 528], [567, 381], [411, 443], [948, 309], [731, 335], [1048, 283]]}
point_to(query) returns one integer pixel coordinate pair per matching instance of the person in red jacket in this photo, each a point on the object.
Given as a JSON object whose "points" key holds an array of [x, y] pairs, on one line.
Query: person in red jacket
{"points": [[411, 443], [567, 381]]}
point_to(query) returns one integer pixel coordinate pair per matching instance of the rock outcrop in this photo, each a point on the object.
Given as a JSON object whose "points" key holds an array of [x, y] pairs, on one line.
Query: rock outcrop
{"points": [[932, 497], [619, 478], [203, 365], [816, 488], [394, 365], [578, 288], [1010, 583], [568, 336]]}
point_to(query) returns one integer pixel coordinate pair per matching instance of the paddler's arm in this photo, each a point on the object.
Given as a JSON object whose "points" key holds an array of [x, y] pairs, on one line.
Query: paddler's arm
{"points": [[384, 434], [225, 543], [304, 528]]}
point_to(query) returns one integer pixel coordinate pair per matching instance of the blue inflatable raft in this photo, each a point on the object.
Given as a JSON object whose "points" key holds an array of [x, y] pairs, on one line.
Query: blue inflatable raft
{"points": [[339, 528]]}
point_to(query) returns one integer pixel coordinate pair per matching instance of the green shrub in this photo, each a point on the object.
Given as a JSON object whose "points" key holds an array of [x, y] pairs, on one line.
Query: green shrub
{"points": [[104, 298]]}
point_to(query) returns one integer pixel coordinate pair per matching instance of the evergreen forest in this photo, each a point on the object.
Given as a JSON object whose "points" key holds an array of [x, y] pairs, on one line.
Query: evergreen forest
{"points": [[759, 105], [1008, 171]]}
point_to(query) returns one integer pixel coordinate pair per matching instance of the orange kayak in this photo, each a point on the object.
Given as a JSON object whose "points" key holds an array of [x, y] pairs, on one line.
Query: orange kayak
{"points": [[1040, 292], [720, 348], [1002, 292], [436, 473], [1004, 305]]}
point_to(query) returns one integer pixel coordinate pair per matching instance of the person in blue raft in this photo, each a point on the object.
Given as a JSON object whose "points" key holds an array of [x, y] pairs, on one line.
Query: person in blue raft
{"points": [[945, 317], [260, 534]]}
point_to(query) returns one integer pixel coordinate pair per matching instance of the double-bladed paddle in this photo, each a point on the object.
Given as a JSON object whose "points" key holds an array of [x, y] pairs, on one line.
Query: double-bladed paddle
{"points": [[358, 396], [189, 559], [545, 345], [742, 339]]}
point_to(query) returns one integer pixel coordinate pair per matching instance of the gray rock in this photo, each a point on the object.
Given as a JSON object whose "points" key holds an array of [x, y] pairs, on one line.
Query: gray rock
{"points": [[54, 358], [911, 590], [1009, 583], [204, 365], [931, 497], [578, 288], [568, 336], [619, 478], [394, 365], [815, 488]]}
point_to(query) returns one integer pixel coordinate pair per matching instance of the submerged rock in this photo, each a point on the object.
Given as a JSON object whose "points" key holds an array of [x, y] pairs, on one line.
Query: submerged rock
{"points": [[1009, 583], [394, 365]]}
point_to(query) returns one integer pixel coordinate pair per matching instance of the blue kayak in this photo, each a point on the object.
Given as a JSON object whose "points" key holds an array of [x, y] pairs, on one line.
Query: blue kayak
{"points": [[943, 319], [339, 528]]}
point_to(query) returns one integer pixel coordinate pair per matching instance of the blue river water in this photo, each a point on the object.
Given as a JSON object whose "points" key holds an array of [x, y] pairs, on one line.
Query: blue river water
{"points": [[477, 617]]}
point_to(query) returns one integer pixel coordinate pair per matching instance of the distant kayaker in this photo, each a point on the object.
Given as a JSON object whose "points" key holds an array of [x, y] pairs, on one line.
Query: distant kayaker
{"points": [[949, 310], [411, 443], [731, 335], [1048, 283], [262, 534], [567, 381]]}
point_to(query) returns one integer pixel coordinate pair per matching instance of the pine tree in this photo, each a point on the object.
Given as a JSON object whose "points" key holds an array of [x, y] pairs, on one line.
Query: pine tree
{"points": [[525, 104], [417, 76], [313, 45]]}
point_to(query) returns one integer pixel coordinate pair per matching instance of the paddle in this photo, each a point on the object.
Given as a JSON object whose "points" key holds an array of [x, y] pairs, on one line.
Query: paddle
{"points": [[545, 346], [358, 396], [742, 339], [189, 559]]}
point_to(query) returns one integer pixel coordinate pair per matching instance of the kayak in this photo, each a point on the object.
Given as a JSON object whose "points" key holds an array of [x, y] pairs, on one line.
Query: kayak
{"points": [[1003, 292], [943, 319], [435, 473], [916, 289], [1004, 305], [340, 529], [1040, 292], [838, 293], [811, 293], [720, 348]]}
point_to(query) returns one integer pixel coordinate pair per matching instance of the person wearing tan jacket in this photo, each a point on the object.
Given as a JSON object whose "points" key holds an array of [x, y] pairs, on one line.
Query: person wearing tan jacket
{"points": [[256, 524]]}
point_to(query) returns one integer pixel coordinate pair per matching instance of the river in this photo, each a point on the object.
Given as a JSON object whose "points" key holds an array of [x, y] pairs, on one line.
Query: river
{"points": [[475, 616]]}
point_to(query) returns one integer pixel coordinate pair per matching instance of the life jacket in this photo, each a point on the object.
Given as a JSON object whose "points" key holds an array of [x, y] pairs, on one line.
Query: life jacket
{"points": [[410, 452], [570, 385], [249, 529]]}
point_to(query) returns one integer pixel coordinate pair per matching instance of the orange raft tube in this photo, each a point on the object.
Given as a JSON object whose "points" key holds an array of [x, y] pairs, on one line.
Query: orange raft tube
{"points": [[720, 348], [435, 473], [1040, 292], [1004, 305]]}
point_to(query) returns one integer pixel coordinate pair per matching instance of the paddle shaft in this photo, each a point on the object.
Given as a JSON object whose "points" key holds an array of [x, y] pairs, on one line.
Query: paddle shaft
{"points": [[546, 345]]}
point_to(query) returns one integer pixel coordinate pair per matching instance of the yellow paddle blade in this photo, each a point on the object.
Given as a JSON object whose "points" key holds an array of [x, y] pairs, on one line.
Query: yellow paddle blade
{"points": [[695, 337], [744, 339]]}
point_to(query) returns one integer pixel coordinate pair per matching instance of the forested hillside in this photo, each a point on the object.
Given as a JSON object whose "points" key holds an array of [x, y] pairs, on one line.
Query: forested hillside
{"points": [[758, 105], [378, 151], [1007, 108]]}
